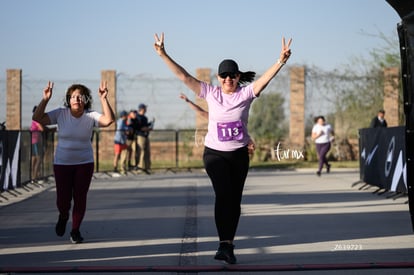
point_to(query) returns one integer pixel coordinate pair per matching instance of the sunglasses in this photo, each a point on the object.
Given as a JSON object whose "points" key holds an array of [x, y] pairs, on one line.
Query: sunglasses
{"points": [[231, 75]]}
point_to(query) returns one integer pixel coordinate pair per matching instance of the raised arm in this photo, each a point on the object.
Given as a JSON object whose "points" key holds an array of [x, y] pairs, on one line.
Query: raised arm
{"points": [[190, 81], [194, 106], [39, 114], [108, 115], [261, 82]]}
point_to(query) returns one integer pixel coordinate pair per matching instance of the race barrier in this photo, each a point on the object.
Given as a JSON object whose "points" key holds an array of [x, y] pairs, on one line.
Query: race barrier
{"points": [[9, 159], [405, 28], [382, 158], [16, 158]]}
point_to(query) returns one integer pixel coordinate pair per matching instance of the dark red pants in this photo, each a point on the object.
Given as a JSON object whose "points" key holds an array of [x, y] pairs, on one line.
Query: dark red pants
{"points": [[72, 182]]}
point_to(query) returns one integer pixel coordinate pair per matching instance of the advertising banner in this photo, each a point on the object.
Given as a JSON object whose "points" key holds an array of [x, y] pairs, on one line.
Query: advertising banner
{"points": [[9, 160], [382, 158]]}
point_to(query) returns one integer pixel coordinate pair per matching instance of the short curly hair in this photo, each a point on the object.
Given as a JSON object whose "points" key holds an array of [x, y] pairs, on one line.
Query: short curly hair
{"points": [[319, 117], [85, 91]]}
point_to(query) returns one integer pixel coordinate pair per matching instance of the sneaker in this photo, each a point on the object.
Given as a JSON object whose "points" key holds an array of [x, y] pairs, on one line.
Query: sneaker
{"points": [[318, 173], [60, 227], [75, 236], [225, 252]]}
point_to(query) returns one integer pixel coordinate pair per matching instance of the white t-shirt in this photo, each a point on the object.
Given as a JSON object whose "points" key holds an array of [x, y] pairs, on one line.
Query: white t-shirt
{"points": [[325, 129], [74, 136]]}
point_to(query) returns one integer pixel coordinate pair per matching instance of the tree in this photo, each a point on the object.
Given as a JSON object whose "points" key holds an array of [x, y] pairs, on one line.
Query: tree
{"points": [[267, 120], [364, 95], [355, 92]]}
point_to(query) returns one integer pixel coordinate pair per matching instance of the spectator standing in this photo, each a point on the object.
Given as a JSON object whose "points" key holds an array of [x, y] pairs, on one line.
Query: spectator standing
{"points": [[133, 126], [120, 143], [379, 121], [143, 142], [36, 130]]}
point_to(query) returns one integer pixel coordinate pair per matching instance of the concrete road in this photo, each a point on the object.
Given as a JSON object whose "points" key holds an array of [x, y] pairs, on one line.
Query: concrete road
{"points": [[292, 221]]}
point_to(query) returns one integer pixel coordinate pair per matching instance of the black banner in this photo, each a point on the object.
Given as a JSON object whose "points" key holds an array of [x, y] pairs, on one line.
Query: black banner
{"points": [[9, 160], [406, 36], [382, 158]]}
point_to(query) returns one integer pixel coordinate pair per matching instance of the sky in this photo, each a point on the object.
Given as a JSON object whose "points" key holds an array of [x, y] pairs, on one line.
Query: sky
{"points": [[73, 41], [56, 39]]}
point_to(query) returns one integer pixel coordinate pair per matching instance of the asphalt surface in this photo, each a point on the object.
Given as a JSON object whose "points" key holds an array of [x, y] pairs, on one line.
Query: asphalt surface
{"points": [[292, 222]]}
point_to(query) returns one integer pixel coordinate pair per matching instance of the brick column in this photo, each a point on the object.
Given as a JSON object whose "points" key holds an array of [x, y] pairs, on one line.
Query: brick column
{"points": [[14, 99], [106, 142], [202, 74], [297, 107], [110, 77], [391, 96]]}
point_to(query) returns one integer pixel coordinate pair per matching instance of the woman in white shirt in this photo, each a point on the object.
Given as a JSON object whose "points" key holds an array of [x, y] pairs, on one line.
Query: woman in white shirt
{"points": [[74, 164], [323, 135]]}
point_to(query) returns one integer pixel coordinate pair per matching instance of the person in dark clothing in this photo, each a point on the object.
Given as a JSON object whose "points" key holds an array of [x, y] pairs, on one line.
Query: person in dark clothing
{"points": [[133, 126], [143, 148], [379, 120]]}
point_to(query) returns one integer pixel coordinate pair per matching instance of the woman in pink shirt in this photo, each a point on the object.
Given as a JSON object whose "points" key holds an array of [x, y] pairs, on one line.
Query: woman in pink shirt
{"points": [[36, 130], [226, 157]]}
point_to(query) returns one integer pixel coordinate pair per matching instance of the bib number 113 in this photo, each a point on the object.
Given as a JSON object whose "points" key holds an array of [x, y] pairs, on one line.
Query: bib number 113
{"points": [[230, 131]]}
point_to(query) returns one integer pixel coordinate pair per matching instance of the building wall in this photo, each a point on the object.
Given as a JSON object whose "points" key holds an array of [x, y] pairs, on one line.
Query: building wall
{"points": [[14, 99], [391, 96]]}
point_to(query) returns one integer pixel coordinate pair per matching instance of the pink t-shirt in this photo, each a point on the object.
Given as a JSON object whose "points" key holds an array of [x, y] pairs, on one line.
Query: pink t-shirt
{"points": [[36, 132], [227, 117]]}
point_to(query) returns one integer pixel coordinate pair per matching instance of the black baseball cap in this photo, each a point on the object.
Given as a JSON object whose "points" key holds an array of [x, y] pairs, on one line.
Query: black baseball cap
{"points": [[228, 66]]}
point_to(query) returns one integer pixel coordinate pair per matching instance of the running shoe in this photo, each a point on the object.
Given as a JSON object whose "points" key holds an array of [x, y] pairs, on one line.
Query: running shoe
{"points": [[60, 227], [225, 252], [75, 236]]}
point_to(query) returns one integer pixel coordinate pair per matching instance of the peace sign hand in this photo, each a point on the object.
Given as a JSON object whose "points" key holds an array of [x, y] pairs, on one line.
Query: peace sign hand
{"points": [[183, 96], [103, 90], [47, 91], [159, 44], [285, 52]]}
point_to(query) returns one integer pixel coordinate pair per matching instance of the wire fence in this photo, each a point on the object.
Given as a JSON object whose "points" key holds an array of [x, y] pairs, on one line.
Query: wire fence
{"points": [[161, 95], [170, 149], [323, 91]]}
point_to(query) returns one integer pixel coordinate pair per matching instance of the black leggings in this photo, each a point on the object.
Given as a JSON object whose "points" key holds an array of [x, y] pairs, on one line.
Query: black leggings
{"points": [[227, 172]]}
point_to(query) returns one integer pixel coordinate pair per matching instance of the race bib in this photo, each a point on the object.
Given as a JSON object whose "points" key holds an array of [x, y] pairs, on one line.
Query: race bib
{"points": [[230, 131]]}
